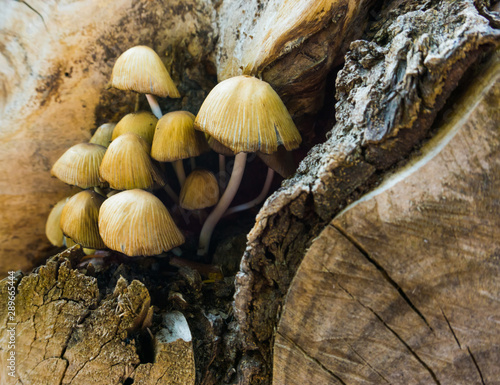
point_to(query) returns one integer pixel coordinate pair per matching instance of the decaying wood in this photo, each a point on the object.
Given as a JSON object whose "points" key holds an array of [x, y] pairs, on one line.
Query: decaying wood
{"points": [[392, 86], [67, 332], [402, 286], [290, 44]]}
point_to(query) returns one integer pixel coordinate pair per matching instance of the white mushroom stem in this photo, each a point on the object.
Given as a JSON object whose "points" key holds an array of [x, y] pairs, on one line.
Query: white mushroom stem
{"points": [[155, 107], [256, 201], [224, 202], [179, 171]]}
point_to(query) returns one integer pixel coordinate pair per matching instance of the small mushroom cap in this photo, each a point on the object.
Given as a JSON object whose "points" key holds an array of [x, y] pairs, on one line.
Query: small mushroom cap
{"points": [[79, 219], [218, 147], [175, 138], [246, 114], [140, 69], [127, 164], [135, 222], [200, 190], [103, 134], [141, 123], [53, 225], [79, 165]]}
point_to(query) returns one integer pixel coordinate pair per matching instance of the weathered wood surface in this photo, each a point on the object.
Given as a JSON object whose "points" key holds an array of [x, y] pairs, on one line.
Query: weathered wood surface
{"points": [[402, 287], [389, 92], [68, 332]]}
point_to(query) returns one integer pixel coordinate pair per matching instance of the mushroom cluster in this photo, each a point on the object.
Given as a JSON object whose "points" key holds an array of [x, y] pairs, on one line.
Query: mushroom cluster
{"points": [[122, 166]]}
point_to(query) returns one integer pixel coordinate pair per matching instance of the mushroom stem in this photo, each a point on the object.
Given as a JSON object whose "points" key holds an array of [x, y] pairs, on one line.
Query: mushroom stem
{"points": [[256, 201], [155, 107], [224, 202], [179, 171]]}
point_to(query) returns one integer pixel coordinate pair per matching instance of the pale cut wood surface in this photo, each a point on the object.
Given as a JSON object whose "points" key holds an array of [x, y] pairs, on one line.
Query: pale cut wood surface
{"points": [[403, 286]]}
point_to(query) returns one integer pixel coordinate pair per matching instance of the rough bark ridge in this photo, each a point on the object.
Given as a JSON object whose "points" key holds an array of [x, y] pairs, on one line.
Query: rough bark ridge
{"points": [[392, 86]]}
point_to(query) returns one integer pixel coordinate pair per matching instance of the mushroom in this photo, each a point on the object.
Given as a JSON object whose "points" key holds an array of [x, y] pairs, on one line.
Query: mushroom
{"points": [[140, 69], [127, 164], [135, 222], [53, 225], [246, 115], [103, 134], [141, 123], [175, 139], [79, 165], [79, 219], [200, 190]]}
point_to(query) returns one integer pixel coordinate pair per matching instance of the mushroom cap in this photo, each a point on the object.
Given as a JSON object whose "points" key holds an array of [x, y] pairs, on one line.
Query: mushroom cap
{"points": [[53, 225], [79, 219], [135, 222], [175, 138], [79, 165], [200, 190], [141, 123], [246, 114], [127, 164], [103, 134], [140, 69]]}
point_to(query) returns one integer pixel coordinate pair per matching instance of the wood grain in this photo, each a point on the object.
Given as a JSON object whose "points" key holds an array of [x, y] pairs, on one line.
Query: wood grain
{"points": [[402, 287]]}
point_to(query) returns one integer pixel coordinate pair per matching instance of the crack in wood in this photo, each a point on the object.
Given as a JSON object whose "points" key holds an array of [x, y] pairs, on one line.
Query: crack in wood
{"points": [[34, 10], [315, 360], [451, 329], [382, 271], [408, 347], [476, 365], [365, 361]]}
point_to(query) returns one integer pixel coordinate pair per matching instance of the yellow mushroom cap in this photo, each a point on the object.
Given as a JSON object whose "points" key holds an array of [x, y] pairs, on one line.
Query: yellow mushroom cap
{"points": [[141, 123], [79, 219], [280, 161], [103, 134], [246, 114], [127, 164], [199, 191], [140, 69], [175, 138], [79, 165], [135, 222], [53, 225]]}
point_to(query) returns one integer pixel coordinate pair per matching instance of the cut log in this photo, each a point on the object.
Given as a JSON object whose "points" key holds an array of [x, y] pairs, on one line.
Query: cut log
{"points": [[402, 287], [393, 84]]}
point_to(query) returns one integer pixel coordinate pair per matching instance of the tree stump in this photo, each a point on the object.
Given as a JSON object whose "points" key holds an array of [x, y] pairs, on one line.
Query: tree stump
{"points": [[335, 286], [402, 286]]}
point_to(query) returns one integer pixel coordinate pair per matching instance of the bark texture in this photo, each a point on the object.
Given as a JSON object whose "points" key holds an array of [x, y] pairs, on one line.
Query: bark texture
{"points": [[402, 286], [67, 332], [389, 92]]}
